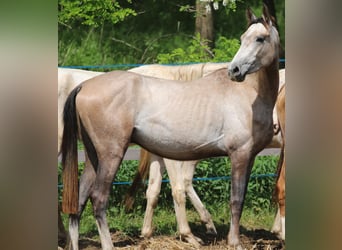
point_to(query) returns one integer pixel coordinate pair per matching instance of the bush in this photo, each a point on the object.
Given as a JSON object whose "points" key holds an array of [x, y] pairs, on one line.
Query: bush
{"points": [[197, 51]]}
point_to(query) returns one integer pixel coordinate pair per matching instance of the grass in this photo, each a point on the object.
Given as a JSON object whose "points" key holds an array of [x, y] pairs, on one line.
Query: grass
{"points": [[258, 212], [164, 220]]}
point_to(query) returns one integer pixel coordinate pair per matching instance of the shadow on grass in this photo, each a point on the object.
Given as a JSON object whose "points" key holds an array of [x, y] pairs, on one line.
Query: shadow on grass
{"points": [[256, 238]]}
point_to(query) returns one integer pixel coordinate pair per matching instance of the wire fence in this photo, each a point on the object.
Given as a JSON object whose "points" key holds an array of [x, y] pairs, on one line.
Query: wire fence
{"points": [[132, 65], [134, 154]]}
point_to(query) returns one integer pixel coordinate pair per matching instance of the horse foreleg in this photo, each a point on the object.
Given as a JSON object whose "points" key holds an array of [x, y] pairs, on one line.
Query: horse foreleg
{"points": [[86, 182], [281, 202], [241, 168], [175, 173], [188, 169], [279, 221], [157, 168]]}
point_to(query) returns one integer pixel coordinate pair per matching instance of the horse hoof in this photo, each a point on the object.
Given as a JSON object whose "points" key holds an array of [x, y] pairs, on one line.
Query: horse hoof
{"points": [[237, 247], [193, 240], [146, 234]]}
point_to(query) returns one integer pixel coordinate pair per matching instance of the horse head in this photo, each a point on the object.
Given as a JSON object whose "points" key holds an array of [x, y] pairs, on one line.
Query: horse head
{"points": [[259, 46]]}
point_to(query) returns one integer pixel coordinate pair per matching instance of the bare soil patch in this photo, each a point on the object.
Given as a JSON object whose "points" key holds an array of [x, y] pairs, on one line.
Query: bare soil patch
{"points": [[258, 239]]}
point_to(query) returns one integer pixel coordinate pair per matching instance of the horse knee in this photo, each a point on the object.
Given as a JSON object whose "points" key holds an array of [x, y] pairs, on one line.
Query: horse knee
{"points": [[152, 199], [152, 195], [187, 183], [178, 194]]}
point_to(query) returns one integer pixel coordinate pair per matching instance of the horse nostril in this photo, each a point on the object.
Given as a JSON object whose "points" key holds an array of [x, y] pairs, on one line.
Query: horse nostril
{"points": [[236, 70]]}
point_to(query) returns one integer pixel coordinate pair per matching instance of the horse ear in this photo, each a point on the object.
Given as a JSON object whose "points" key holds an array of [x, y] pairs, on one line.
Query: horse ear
{"points": [[250, 16], [266, 15]]}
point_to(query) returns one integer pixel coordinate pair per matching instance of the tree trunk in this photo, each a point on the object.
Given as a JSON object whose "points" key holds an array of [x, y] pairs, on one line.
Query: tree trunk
{"points": [[205, 23]]}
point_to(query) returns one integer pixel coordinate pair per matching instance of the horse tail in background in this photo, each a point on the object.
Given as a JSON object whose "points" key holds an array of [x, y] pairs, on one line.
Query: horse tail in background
{"points": [[140, 177], [69, 155]]}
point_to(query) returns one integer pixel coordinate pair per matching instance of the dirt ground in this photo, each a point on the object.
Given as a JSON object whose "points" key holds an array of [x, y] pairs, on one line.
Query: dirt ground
{"points": [[251, 239]]}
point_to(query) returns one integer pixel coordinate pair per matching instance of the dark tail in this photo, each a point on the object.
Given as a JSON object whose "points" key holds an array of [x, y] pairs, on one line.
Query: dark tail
{"points": [[69, 155], [140, 177]]}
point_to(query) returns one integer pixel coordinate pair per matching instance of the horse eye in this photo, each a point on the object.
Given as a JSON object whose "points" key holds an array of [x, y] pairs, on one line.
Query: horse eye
{"points": [[260, 39]]}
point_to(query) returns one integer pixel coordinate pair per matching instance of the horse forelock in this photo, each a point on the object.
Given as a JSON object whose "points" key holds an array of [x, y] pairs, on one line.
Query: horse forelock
{"points": [[255, 21], [262, 20]]}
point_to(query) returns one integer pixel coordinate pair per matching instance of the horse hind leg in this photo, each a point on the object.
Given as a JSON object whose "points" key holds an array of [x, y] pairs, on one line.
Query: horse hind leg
{"points": [[157, 168], [86, 182], [188, 169], [178, 192], [109, 163]]}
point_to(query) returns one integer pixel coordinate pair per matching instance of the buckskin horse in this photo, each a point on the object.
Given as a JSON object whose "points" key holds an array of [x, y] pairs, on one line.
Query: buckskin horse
{"points": [[231, 116], [70, 78]]}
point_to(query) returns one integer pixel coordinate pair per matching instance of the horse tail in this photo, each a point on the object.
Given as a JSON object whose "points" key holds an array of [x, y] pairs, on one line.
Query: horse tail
{"points": [[140, 177], [69, 155]]}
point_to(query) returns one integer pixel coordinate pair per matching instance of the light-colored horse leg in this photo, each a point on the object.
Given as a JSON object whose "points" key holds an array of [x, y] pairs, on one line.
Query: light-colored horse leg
{"points": [[175, 173], [157, 168], [281, 198], [242, 163], [188, 169], [279, 222], [86, 182], [282, 201]]}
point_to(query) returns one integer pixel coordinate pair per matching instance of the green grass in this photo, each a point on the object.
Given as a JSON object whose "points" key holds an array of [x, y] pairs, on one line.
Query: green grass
{"points": [[258, 212], [164, 220]]}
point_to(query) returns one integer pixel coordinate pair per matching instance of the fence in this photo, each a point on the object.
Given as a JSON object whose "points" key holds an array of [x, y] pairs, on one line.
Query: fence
{"points": [[134, 154], [131, 65]]}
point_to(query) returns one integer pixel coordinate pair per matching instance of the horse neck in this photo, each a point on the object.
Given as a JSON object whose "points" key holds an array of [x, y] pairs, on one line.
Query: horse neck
{"points": [[267, 82]]}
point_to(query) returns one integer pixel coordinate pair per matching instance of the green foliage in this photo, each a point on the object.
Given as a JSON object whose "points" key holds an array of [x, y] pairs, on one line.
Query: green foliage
{"points": [[260, 190], [225, 49], [92, 13], [198, 51]]}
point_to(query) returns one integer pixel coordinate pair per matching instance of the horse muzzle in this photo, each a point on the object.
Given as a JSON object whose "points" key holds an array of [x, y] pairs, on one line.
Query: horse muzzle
{"points": [[235, 74]]}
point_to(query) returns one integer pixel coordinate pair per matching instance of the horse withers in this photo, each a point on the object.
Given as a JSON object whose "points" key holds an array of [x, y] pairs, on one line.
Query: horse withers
{"points": [[230, 116]]}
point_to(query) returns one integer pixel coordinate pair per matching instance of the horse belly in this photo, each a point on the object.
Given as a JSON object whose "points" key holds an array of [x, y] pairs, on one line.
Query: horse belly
{"points": [[181, 144]]}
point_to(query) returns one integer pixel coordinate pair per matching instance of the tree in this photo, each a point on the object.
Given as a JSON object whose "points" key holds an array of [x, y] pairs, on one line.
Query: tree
{"points": [[91, 13], [204, 24]]}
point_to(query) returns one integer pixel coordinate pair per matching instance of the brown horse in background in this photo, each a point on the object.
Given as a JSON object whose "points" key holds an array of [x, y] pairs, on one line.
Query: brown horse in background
{"points": [[279, 222], [230, 116]]}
